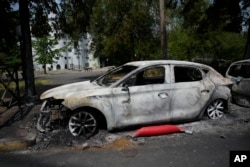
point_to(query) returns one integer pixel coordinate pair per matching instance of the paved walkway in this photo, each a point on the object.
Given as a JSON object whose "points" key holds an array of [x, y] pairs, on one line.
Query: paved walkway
{"points": [[15, 132]]}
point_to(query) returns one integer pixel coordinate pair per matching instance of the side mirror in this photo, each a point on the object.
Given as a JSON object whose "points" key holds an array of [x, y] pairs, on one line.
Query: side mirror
{"points": [[125, 88]]}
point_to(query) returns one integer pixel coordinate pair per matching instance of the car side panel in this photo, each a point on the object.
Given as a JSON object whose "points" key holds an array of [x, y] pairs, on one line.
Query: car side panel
{"points": [[134, 107]]}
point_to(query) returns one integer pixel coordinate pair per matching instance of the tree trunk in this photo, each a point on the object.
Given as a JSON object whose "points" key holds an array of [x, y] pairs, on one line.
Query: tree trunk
{"points": [[247, 50], [44, 69], [163, 30], [26, 55]]}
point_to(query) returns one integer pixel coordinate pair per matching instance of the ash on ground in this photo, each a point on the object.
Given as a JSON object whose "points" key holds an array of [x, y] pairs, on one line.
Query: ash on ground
{"points": [[60, 137]]}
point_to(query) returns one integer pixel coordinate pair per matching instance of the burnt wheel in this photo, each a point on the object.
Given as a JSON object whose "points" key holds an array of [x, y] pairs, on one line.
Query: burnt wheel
{"points": [[83, 123], [216, 109]]}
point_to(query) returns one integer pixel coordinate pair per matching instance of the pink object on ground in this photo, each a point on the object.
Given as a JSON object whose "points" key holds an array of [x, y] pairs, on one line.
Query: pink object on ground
{"points": [[157, 130]]}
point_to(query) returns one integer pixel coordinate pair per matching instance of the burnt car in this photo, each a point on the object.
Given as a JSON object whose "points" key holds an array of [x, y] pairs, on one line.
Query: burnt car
{"points": [[239, 73], [138, 93]]}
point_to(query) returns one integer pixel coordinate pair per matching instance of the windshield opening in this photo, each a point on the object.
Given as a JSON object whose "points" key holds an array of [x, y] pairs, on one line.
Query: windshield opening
{"points": [[115, 75]]}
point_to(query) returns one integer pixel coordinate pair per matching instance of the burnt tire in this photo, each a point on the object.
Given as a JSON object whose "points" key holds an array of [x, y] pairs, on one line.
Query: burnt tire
{"points": [[216, 109], [83, 123]]}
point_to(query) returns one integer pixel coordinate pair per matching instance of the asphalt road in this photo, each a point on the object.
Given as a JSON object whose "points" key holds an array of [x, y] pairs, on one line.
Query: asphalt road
{"points": [[208, 146], [176, 150]]}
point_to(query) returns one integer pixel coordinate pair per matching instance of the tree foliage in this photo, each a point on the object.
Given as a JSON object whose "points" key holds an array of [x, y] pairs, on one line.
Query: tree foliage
{"points": [[9, 50], [65, 18], [74, 17], [207, 30], [123, 30], [246, 21], [224, 15], [45, 51]]}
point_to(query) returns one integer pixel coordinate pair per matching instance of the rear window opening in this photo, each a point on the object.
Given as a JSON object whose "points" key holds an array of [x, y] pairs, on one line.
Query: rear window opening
{"points": [[187, 74]]}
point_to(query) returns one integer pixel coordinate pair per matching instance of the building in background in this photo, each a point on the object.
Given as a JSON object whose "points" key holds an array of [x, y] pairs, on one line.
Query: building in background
{"points": [[73, 59]]}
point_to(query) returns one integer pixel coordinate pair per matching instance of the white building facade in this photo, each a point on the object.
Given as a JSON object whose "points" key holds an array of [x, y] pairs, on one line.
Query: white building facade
{"points": [[73, 59]]}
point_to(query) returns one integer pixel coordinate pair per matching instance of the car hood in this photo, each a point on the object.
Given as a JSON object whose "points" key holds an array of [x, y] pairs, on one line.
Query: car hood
{"points": [[61, 92]]}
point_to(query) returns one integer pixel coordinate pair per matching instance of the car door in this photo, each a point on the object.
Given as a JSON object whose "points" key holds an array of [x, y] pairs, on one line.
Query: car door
{"points": [[162, 97], [239, 73], [134, 102], [190, 92]]}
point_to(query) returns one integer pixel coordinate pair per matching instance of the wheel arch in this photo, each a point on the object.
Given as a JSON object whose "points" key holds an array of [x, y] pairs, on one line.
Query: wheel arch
{"points": [[225, 100], [101, 118]]}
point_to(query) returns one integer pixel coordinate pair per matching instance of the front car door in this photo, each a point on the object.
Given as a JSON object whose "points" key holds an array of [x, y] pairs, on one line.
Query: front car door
{"points": [[135, 99]]}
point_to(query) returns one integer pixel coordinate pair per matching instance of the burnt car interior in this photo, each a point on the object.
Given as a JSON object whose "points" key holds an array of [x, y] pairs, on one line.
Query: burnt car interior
{"points": [[240, 70], [114, 76], [153, 75], [187, 74]]}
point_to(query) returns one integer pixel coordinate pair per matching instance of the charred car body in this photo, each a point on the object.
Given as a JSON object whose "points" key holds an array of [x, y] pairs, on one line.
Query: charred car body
{"points": [[239, 73], [138, 93]]}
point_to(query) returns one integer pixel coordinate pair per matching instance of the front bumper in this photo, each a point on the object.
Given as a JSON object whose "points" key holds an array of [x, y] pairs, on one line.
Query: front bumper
{"points": [[50, 112]]}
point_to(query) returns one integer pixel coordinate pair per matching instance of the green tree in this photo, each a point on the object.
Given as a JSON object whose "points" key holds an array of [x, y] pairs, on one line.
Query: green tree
{"points": [[74, 19], [223, 15], [36, 11], [193, 14], [123, 30], [198, 32], [40, 23], [185, 43], [45, 51], [246, 16], [9, 51], [34, 14], [182, 44]]}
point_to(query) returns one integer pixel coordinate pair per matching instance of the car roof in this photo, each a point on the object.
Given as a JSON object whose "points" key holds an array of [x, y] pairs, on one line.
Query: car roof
{"points": [[247, 61], [157, 62]]}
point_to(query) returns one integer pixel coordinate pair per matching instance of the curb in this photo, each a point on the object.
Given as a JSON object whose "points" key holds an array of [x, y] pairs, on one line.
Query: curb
{"points": [[25, 140]]}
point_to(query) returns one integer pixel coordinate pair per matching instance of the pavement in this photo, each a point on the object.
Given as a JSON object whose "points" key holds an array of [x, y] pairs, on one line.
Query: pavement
{"points": [[17, 129], [17, 125]]}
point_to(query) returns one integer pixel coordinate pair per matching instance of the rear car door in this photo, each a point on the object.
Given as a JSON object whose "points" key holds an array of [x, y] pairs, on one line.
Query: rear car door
{"points": [[190, 92]]}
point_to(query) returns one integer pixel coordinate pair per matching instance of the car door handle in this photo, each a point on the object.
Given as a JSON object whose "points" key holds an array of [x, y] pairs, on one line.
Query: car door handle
{"points": [[163, 95], [205, 91]]}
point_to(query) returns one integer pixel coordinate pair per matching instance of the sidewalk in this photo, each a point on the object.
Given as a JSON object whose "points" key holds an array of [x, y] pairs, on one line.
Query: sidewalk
{"points": [[17, 129]]}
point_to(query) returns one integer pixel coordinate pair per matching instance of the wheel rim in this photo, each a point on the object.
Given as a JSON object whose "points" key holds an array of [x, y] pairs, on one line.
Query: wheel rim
{"points": [[216, 109], [82, 123]]}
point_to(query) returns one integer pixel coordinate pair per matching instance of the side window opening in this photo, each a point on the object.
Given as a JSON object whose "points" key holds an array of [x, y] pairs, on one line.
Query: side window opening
{"points": [[187, 74], [153, 75], [235, 70], [240, 70]]}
